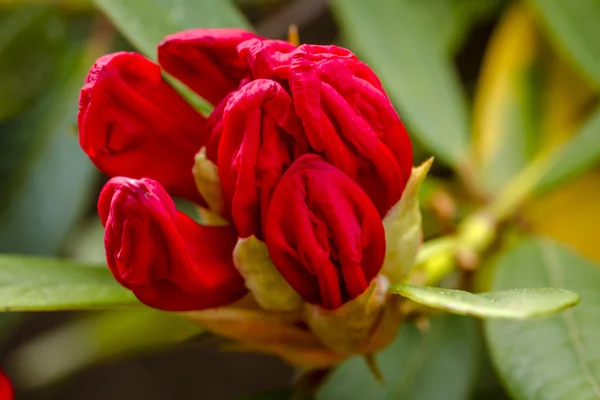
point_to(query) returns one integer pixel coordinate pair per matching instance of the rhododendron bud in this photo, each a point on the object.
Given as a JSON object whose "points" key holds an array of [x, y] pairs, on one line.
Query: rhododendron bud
{"points": [[132, 123], [206, 60], [347, 116], [162, 255], [261, 137], [323, 232]]}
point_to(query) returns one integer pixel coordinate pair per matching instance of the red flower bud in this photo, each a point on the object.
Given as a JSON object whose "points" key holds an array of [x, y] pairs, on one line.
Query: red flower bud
{"points": [[6, 389], [261, 137], [162, 255], [206, 60], [132, 123], [347, 116], [323, 233]]}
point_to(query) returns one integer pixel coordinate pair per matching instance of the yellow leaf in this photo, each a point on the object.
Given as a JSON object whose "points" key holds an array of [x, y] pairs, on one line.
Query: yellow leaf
{"points": [[529, 101], [502, 120], [571, 214]]}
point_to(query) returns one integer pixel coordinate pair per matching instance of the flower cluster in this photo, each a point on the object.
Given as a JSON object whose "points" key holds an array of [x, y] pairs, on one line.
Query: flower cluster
{"points": [[308, 156]]}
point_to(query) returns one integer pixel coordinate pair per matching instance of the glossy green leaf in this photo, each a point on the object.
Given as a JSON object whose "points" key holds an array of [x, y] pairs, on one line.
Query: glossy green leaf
{"points": [[47, 284], [23, 74], [574, 26], [401, 42], [557, 357], [93, 338], [146, 23], [416, 366], [512, 304], [45, 178], [580, 152]]}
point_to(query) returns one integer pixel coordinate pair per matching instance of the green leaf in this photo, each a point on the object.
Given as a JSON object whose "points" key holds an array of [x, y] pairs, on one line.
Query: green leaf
{"points": [[40, 30], [455, 18], [416, 366], [46, 284], [46, 180], [579, 153], [100, 336], [146, 23], [512, 304], [402, 43], [574, 26], [552, 358]]}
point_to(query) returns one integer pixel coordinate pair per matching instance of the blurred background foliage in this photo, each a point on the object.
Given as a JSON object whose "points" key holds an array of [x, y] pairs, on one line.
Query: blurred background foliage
{"points": [[503, 93]]}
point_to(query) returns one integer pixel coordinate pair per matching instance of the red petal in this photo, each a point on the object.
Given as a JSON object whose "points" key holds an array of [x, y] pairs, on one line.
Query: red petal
{"points": [[351, 122], [261, 135], [323, 233], [165, 258], [206, 60], [131, 123], [267, 59]]}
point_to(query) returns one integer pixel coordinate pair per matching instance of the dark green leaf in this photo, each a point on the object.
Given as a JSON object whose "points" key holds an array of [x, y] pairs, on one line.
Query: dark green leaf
{"points": [[417, 366], [45, 178], [455, 18], [402, 43], [30, 38], [557, 357], [574, 26], [510, 304], [146, 23], [46, 284]]}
